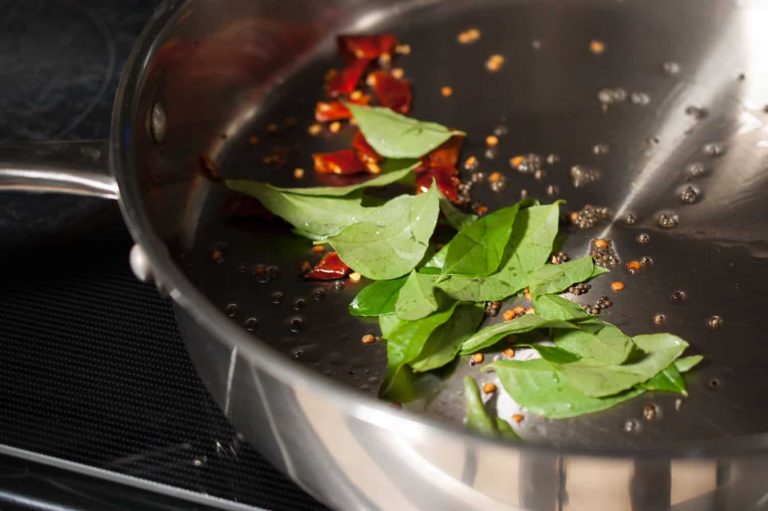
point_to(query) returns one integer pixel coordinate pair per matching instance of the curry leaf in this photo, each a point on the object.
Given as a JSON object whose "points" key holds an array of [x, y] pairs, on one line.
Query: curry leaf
{"points": [[443, 344], [392, 241], [668, 380], [541, 388], [396, 136], [554, 278], [656, 352], [314, 217], [455, 217], [606, 346], [557, 307], [479, 419], [533, 235], [417, 297], [685, 364], [490, 335], [384, 179], [377, 298], [405, 339], [478, 247]]}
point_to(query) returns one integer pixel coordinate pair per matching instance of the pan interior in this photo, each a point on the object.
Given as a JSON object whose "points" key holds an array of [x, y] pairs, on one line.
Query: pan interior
{"points": [[688, 140]]}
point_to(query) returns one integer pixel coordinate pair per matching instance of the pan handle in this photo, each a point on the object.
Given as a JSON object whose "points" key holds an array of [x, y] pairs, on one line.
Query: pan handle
{"points": [[70, 167]]}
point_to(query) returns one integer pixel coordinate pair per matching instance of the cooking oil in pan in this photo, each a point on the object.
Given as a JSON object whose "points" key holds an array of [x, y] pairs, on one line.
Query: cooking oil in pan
{"points": [[546, 103]]}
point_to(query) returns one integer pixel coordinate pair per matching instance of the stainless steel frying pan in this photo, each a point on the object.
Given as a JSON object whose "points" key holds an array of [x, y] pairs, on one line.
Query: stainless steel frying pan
{"points": [[673, 106]]}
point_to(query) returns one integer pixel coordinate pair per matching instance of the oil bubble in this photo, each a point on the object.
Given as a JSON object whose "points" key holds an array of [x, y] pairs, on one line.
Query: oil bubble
{"points": [[231, 310], [252, 324]]}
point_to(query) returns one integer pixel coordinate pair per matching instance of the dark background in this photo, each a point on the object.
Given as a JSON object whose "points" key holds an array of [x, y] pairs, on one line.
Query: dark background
{"points": [[92, 368]]}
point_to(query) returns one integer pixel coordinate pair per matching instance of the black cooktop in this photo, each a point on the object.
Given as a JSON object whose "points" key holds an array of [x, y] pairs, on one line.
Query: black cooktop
{"points": [[100, 407]]}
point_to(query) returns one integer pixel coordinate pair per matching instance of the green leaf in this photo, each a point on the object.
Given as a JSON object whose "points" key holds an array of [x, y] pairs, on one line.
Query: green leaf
{"points": [[455, 217], [396, 136], [405, 339], [479, 419], [685, 364], [443, 344], [606, 347], [657, 351], [384, 179], [668, 380], [377, 298], [555, 355], [555, 278], [557, 307], [417, 297], [541, 388], [530, 244], [391, 241], [490, 335], [478, 247], [315, 217]]}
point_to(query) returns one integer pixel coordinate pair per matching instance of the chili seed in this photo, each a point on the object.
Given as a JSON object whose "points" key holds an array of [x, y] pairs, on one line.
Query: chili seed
{"points": [[355, 277], [477, 358], [318, 249], [368, 339], [314, 129], [517, 418], [633, 266], [298, 173], [335, 127], [596, 46], [491, 140], [508, 352], [617, 286], [446, 91], [509, 315], [494, 63], [469, 36]]}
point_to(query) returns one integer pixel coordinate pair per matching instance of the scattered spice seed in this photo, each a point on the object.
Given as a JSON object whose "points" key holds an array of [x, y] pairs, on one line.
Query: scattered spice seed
{"points": [[517, 418], [596, 46], [398, 72], [446, 91], [508, 352], [519, 310], [617, 286], [494, 63], [509, 315], [489, 388], [318, 249], [355, 277], [649, 412], [601, 243], [471, 163], [217, 255], [368, 339], [634, 266], [492, 309], [491, 140], [403, 49], [385, 60], [335, 127], [659, 319], [476, 358], [527, 293], [298, 173], [314, 129], [253, 140], [495, 177], [468, 36]]}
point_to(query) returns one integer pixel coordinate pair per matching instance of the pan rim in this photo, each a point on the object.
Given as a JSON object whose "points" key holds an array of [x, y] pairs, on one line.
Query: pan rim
{"points": [[260, 354]]}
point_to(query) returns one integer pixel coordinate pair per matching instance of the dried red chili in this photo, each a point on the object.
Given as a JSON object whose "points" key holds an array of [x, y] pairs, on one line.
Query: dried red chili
{"points": [[364, 150], [345, 161], [367, 47], [330, 267], [326, 111], [391, 92], [345, 81], [446, 180], [446, 155]]}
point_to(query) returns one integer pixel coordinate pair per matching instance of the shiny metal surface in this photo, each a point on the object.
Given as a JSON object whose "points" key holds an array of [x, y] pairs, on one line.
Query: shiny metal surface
{"points": [[250, 65], [75, 168]]}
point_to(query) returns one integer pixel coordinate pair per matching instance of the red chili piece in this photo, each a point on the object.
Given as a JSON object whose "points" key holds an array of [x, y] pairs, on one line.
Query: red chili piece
{"points": [[339, 162], [364, 150], [446, 180], [330, 267], [367, 47], [446, 155], [345, 82], [392, 92], [326, 111]]}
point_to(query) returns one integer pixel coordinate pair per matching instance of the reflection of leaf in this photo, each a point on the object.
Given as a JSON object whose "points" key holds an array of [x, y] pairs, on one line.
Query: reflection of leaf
{"points": [[479, 419], [392, 241], [396, 136]]}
